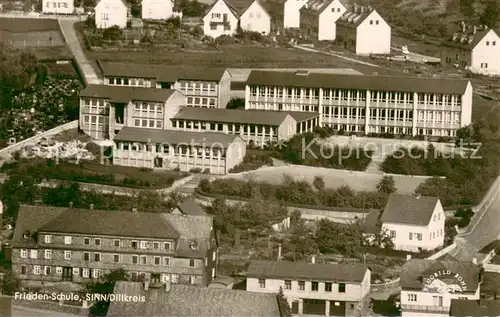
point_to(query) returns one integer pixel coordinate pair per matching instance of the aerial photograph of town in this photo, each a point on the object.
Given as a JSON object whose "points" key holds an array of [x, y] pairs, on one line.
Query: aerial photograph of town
{"points": [[249, 158]]}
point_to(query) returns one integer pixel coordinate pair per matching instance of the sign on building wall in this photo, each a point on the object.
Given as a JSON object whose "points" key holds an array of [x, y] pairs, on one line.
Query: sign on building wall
{"points": [[445, 281]]}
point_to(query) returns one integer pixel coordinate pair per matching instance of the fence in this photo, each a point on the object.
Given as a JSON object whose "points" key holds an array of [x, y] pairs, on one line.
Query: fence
{"points": [[19, 145], [442, 252]]}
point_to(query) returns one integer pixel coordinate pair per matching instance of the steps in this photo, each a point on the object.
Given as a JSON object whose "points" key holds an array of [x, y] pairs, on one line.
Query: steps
{"points": [[189, 187]]}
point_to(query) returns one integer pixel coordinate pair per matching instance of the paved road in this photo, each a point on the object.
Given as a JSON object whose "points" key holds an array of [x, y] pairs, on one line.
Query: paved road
{"points": [[20, 311], [67, 29]]}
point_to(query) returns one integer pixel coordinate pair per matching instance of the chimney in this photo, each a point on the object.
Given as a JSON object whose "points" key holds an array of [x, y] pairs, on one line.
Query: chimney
{"points": [[167, 286], [146, 285], [279, 252], [362, 9], [408, 257], [474, 261], [91, 206], [70, 204], [355, 8], [474, 29], [134, 210], [313, 259], [464, 27]]}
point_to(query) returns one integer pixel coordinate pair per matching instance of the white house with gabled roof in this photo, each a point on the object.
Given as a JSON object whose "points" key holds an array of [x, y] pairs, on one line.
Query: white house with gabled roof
{"points": [[109, 13], [256, 18], [318, 17], [291, 15], [364, 31], [157, 9], [221, 19]]}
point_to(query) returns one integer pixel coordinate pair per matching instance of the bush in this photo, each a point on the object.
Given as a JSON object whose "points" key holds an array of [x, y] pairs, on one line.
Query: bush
{"points": [[465, 215], [252, 162], [174, 22], [192, 8], [113, 33], [236, 103], [195, 170]]}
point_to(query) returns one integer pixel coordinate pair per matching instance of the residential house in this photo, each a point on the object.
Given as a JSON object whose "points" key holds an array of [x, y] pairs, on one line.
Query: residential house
{"points": [[256, 127], [312, 288], [172, 300], [366, 104], [415, 223], [292, 13], [109, 13], [318, 17], [216, 153], [222, 18], [22, 33], [276, 9], [105, 110], [157, 9], [53, 244], [364, 32], [255, 18], [475, 308], [475, 48], [202, 87], [58, 6], [428, 286]]}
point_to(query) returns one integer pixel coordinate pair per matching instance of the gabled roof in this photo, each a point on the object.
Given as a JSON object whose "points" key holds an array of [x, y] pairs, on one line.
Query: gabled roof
{"points": [[234, 11], [259, 3], [191, 300], [316, 6], [370, 223], [349, 273], [413, 270], [354, 19], [271, 118], [375, 82], [30, 219], [174, 137], [475, 308], [162, 73], [195, 234], [125, 94], [125, 3], [468, 39], [410, 210]]}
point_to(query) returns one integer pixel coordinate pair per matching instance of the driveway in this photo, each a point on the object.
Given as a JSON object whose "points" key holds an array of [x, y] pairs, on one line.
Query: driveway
{"points": [[69, 32]]}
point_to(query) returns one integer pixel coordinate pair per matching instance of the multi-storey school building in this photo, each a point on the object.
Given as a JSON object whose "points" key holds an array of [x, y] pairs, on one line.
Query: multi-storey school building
{"points": [[366, 104], [209, 88], [53, 244]]}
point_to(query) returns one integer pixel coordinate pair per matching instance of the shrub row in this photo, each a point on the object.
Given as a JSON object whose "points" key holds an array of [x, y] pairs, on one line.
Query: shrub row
{"points": [[252, 161]]}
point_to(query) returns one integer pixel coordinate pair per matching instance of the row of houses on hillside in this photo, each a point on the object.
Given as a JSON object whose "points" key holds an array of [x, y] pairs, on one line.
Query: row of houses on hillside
{"points": [[360, 29]]}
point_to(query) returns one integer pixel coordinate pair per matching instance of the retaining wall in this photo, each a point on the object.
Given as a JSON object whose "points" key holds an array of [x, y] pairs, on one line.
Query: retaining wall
{"points": [[442, 252]]}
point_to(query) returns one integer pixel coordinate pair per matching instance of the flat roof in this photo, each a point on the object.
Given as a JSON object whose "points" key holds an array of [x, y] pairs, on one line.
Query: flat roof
{"points": [[207, 139], [263, 117], [368, 82], [125, 94]]}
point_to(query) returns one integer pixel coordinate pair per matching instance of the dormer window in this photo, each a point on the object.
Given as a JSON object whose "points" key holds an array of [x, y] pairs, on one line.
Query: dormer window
{"points": [[48, 238], [193, 245], [26, 235]]}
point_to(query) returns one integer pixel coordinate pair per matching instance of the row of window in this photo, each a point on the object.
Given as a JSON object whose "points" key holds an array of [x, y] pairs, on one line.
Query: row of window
{"points": [[58, 270], [136, 82], [145, 107], [201, 101], [231, 128], [148, 123], [135, 244], [341, 287], [418, 236], [182, 150], [57, 5], [192, 86], [283, 107], [436, 300]]}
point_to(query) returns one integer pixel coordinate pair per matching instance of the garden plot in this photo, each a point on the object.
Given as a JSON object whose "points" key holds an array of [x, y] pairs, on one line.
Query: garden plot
{"points": [[50, 149]]}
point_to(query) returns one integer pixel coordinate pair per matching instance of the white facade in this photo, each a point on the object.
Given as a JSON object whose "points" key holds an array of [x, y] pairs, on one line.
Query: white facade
{"points": [[221, 19], [412, 238], [416, 303], [157, 9], [256, 19], [58, 6], [292, 13], [373, 36], [327, 29], [109, 13], [485, 55]]}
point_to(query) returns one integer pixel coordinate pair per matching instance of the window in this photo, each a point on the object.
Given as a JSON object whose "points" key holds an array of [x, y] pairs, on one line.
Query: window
{"points": [[166, 261], [58, 270], [48, 254], [328, 287], [341, 287], [86, 256], [24, 253], [95, 273], [116, 243], [191, 262], [412, 297], [67, 240], [192, 279], [33, 254], [487, 43], [134, 244], [437, 301], [288, 284], [86, 241], [314, 286], [376, 22], [156, 245], [134, 259], [371, 22], [494, 43], [144, 244], [392, 234], [116, 258], [97, 257], [36, 270], [410, 236], [76, 271], [157, 260], [262, 283], [302, 285], [85, 272], [144, 260], [97, 241], [24, 270], [48, 238], [47, 270], [419, 236], [67, 255]]}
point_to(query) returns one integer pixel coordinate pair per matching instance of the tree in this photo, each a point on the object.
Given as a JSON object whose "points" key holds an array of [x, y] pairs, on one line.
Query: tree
{"points": [[490, 14], [467, 9], [338, 238], [106, 286], [236, 103], [387, 185], [319, 183], [10, 284], [283, 305]]}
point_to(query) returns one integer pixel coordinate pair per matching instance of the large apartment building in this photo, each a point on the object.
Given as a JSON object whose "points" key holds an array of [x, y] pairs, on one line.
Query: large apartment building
{"points": [[52, 244], [313, 288], [366, 104], [202, 87]]}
